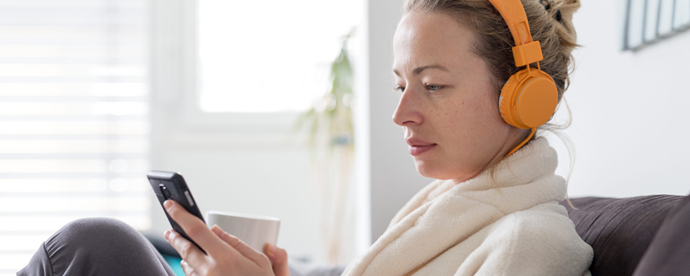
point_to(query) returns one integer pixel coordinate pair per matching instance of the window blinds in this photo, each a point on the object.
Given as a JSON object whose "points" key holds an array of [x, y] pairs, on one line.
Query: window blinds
{"points": [[73, 118]]}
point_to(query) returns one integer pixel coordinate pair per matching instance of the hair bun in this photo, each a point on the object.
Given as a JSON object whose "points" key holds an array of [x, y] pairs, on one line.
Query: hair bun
{"points": [[567, 8]]}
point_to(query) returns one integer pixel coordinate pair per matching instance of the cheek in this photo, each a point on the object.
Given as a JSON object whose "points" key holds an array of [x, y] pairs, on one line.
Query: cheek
{"points": [[470, 115], [471, 126], [488, 121], [469, 130]]}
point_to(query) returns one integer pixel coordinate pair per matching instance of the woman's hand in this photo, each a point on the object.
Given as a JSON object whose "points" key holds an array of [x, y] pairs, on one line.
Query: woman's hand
{"points": [[225, 254]]}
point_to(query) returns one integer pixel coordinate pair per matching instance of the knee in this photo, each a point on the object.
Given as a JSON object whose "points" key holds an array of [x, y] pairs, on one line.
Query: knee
{"points": [[88, 226]]}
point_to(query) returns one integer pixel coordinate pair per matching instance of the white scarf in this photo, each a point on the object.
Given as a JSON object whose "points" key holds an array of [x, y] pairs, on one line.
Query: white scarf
{"points": [[439, 219]]}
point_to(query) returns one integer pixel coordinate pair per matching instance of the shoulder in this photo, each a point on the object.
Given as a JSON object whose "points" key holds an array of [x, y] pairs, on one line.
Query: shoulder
{"points": [[541, 241], [547, 226]]}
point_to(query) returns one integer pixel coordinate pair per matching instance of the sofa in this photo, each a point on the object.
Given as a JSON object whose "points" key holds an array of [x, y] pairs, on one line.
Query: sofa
{"points": [[637, 236]]}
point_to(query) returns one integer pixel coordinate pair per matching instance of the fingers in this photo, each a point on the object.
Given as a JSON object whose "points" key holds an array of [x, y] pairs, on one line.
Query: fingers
{"points": [[188, 251], [194, 227], [241, 247], [279, 259]]}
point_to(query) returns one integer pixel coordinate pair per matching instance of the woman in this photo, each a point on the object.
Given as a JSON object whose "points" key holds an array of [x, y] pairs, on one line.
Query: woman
{"points": [[494, 210]]}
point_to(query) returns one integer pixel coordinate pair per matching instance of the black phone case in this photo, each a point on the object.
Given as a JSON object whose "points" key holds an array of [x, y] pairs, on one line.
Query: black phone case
{"points": [[171, 185]]}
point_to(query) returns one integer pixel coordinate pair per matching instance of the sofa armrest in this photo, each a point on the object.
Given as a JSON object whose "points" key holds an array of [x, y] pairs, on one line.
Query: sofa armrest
{"points": [[669, 252]]}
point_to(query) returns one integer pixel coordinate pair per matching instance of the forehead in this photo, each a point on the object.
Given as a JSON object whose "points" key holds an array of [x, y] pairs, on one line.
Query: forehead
{"points": [[430, 37]]}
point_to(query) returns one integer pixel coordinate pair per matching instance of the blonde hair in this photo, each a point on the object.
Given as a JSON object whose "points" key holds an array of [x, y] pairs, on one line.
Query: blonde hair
{"points": [[550, 23]]}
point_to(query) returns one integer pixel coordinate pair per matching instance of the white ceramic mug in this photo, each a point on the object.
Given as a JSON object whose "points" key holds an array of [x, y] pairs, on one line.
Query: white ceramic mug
{"points": [[254, 230]]}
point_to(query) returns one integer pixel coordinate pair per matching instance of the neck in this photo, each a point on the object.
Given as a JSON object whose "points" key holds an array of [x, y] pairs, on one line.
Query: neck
{"points": [[512, 140]]}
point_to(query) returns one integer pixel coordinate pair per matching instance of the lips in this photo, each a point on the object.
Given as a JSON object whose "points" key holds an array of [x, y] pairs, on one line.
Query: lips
{"points": [[418, 146]]}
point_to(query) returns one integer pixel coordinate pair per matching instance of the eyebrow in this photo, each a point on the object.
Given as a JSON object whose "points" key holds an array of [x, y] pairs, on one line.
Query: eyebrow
{"points": [[418, 70]]}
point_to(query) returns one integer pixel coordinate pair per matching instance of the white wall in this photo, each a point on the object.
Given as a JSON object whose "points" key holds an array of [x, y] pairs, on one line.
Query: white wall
{"points": [[630, 122]]}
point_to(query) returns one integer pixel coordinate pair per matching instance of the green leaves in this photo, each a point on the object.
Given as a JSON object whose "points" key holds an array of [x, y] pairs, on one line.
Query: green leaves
{"points": [[329, 122]]}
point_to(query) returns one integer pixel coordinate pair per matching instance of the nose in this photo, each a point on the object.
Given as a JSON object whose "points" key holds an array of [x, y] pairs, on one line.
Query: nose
{"points": [[408, 111]]}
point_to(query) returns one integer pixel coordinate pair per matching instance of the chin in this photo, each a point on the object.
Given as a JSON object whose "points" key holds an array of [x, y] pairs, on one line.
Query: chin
{"points": [[437, 171], [427, 169]]}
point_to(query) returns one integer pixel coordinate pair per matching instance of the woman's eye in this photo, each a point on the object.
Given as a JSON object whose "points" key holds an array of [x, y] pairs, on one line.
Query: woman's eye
{"points": [[399, 89], [432, 87]]}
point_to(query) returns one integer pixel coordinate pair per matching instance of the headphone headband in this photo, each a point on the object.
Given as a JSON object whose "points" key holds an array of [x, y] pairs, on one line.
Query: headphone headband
{"points": [[529, 98], [526, 51]]}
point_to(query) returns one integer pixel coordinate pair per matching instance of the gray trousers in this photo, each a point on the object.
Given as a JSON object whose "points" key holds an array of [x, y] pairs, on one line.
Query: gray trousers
{"points": [[96, 246]]}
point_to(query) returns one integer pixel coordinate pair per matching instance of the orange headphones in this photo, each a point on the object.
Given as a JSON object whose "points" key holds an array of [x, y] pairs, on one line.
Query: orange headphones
{"points": [[530, 96]]}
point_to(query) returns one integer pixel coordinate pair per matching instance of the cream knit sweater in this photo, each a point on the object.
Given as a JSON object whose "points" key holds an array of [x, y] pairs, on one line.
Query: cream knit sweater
{"points": [[513, 225]]}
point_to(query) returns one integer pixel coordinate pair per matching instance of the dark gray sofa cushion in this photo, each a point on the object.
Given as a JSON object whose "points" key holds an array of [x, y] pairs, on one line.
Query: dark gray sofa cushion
{"points": [[619, 230]]}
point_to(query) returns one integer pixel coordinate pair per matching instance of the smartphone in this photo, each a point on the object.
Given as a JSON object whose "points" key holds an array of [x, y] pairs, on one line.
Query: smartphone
{"points": [[171, 185]]}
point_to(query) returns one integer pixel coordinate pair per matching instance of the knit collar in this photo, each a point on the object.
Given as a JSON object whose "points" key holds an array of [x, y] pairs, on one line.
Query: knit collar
{"points": [[533, 161]]}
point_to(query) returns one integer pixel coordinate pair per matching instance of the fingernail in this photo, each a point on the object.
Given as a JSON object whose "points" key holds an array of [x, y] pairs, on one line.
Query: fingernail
{"points": [[167, 204], [216, 229], [268, 250], [166, 234]]}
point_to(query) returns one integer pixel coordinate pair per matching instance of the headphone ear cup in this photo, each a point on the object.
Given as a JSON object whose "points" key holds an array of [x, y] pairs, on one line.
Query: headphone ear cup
{"points": [[528, 99]]}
